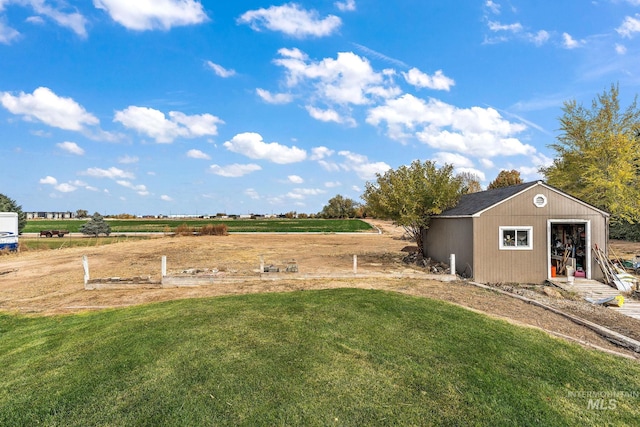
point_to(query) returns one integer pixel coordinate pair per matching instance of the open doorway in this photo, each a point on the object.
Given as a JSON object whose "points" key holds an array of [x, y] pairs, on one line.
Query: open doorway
{"points": [[569, 247]]}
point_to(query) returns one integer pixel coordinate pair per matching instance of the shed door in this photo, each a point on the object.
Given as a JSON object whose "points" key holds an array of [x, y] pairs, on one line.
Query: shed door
{"points": [[569, 246]]}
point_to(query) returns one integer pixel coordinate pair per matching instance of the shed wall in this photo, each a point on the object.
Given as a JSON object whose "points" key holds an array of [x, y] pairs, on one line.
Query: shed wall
{"points": [[530, 266], [451, 236]]}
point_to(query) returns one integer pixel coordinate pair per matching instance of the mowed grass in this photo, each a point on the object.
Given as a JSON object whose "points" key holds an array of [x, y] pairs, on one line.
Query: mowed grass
{"points": [[233, 225], [333, 357]]}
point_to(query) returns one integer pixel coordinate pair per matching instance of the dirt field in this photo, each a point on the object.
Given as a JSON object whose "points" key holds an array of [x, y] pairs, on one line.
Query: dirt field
{"points": [[51, 282]]}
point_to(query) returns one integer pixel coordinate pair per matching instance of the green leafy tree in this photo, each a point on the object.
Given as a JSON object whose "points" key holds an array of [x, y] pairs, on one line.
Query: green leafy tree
{"points": [[7, 204], [505, 179], [96, 226], [598, 155], [82, 213], [339, 207], [411, 195]]}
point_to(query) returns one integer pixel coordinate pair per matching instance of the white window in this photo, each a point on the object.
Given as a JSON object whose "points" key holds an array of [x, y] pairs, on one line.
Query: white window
{"points": [[516, 238]]}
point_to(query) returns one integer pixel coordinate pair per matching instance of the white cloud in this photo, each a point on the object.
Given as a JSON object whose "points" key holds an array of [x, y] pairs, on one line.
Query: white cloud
{"points": [[569, 42], [156, 125], [251, 145], [274, 98], [629, 26], [513, 28], [220, 70], [72, 20], [65, 188], [71, 147], [505, 32], [112, 173], [235, 170], [329, 115], [381, 56], [419, 79], [140, 188], [302, 193], [493, 7], [7, 34], [45, 106], [621, 49], [332, 184], [319, 153], [361, 166], [197, 154], [292, 20], [529, 173], [295, 179], [143, 15], [348, 79], [126, 159], [336, 84], [539, 38], [457, 160], [329, 166], [487, 163], [78, 183], [476, 131], [48, 180], [252, 193], [166, 198], [35, 20], [346, 5]]}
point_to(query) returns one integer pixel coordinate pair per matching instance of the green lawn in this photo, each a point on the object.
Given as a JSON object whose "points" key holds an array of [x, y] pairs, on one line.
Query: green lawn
{"points": [[237, 225], [334, 357]]}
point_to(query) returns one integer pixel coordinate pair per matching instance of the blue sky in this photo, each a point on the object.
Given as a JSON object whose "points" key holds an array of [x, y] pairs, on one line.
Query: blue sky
{"points": [[200, 107]]}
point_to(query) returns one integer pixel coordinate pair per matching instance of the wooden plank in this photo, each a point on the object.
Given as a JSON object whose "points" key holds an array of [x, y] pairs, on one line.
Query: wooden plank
{"points": [[588, 288]]}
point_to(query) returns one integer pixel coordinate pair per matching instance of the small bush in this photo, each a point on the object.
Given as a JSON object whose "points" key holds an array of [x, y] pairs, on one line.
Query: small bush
{"points": [[214, 230], [184, 230], [623, 230]]}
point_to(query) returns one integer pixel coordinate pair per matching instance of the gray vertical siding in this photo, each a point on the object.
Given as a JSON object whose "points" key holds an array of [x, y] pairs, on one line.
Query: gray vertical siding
{"points": [[475, 241], [529, 266], [451, 236]]}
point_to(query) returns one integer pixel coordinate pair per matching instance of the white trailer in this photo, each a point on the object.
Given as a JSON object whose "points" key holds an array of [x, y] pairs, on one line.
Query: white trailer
{"points": [[9, 231]]}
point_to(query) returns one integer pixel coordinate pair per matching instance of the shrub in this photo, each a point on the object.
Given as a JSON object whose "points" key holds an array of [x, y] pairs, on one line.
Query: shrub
{"points": [[95, 226], [184, 230], [214, 230]]}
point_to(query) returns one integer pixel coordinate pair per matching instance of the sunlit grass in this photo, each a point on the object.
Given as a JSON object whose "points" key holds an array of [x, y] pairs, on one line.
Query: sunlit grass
{"points": [[335, 357]]}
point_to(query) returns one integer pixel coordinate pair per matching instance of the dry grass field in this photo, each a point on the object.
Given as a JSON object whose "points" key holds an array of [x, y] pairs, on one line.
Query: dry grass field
{"points": [[50, 282]]}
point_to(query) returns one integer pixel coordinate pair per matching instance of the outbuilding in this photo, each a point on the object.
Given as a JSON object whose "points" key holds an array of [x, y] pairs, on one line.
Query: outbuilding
{"points": [[525, 233]]}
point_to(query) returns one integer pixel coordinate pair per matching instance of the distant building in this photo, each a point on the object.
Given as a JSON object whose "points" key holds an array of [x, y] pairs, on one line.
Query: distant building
{"points": [[50, 215]]}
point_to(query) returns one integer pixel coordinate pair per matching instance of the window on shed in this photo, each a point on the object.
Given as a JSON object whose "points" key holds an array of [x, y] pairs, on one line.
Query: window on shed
{"points": [[516, 238]]}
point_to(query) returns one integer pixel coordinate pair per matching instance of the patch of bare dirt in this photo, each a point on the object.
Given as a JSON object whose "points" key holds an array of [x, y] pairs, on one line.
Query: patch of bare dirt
{"points": [[51, 282]]}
